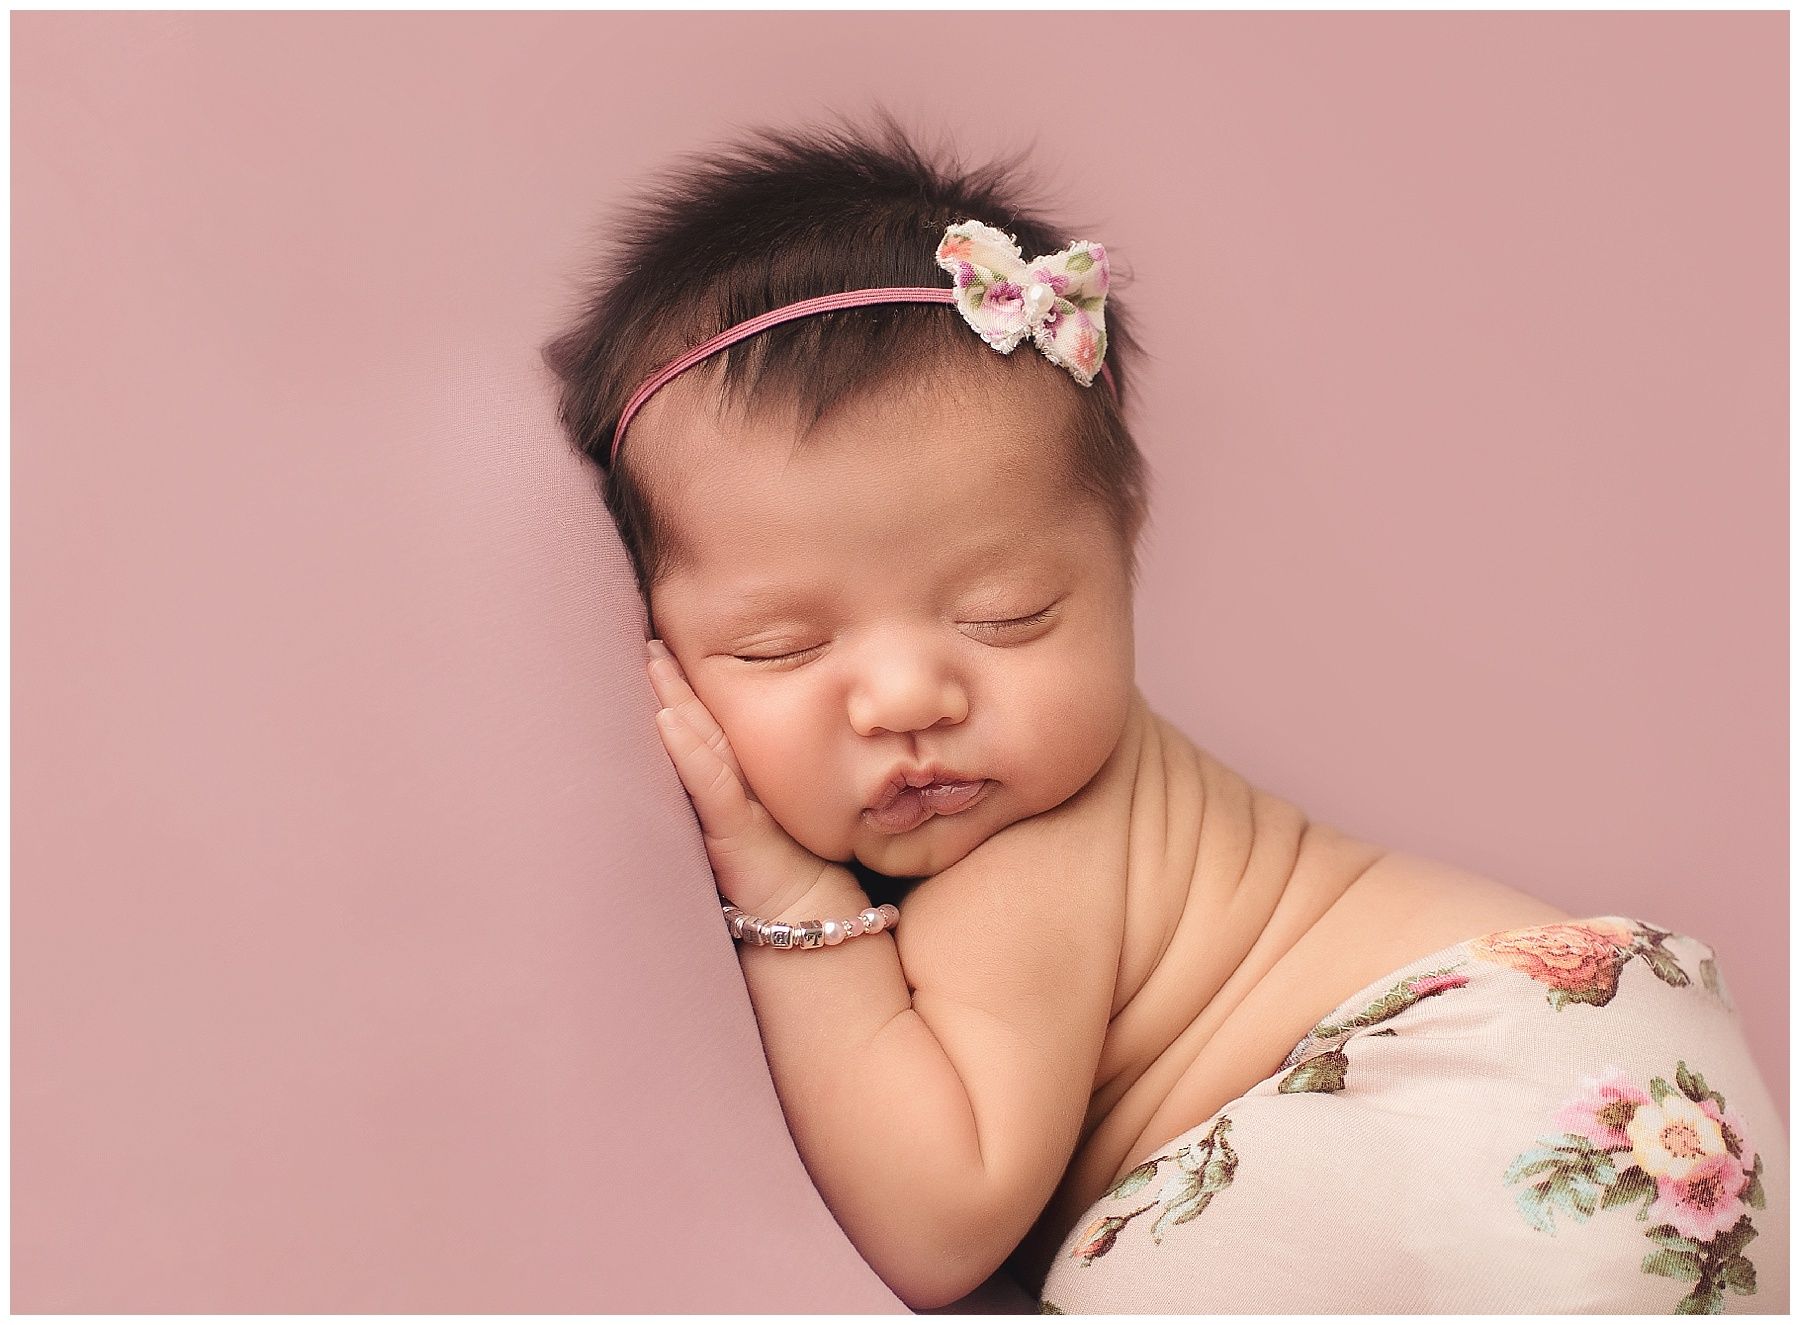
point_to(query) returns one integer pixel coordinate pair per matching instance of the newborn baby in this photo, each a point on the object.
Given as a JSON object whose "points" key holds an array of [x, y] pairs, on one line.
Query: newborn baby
{"points": [[1145, 1035], [907, 644]]}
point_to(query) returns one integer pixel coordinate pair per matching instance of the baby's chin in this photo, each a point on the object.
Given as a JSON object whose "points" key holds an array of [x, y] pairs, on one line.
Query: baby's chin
{"points": [[931, 848], [909, 861]]}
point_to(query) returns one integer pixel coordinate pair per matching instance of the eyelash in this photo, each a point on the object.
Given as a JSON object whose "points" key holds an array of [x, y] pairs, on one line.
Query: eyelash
{"points": [[1010, 622]]}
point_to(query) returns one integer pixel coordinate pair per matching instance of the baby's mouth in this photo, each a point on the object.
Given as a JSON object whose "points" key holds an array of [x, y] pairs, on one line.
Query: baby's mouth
{"points": [[914, 805]]}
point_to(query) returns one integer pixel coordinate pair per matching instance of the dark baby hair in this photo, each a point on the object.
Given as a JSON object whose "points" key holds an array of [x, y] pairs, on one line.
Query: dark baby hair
{"points": [[785, 215]]}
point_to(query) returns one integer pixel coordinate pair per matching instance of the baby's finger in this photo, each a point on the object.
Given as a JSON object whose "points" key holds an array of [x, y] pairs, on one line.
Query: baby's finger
{"points": [[753, 860], [714, 786], [673, 691]]}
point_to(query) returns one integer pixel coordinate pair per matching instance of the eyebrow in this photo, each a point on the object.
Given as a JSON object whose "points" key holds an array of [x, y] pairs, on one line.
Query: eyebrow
{"points": [[771, 597], [750, 604]]}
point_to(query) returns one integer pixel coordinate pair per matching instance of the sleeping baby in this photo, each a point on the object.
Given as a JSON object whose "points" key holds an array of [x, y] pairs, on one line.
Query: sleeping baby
{"points": [[1044, 987]]}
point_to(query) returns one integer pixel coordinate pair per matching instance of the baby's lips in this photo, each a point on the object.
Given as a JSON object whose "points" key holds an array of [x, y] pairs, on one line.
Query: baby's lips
{"points": [[914, 805], [948, 798], [900, 815]]}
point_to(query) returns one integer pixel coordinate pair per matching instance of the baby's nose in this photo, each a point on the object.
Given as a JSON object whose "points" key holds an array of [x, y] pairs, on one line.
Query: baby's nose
{"points": [[907, 700]]}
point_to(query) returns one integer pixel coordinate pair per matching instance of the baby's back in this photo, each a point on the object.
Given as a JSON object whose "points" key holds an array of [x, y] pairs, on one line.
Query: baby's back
{"points": [[1244, 923]]}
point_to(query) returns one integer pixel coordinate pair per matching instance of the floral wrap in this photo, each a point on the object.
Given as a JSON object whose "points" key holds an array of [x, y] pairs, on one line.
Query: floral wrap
{"points": [[1563, 1118]]}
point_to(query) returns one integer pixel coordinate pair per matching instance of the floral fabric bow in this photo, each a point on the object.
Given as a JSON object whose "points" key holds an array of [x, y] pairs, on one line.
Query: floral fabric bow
{"points": [[1060, 300]]}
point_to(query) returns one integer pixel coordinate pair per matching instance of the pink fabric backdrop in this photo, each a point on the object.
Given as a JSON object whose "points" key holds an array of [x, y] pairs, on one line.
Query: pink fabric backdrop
{"points": [[343, 851]]}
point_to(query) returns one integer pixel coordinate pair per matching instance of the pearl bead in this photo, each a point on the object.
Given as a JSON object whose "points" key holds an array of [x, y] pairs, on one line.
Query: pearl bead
{"points": [[890, 913], [834, 933], [873, 921], [852, 927]]}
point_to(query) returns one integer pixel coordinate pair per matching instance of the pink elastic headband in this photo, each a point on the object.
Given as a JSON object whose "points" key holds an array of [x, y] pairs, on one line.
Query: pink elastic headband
{"points": [[1058, 300]]}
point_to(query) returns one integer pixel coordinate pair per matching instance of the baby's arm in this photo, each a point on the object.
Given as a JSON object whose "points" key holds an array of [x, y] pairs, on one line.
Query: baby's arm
{"points": [[936, 1081], [935, 1077]]}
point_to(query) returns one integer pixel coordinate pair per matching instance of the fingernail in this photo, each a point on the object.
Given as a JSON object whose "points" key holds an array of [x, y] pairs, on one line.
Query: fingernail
{"points": [[657, 649]]}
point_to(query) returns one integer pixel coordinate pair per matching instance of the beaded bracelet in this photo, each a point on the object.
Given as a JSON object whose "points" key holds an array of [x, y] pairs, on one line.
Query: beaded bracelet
{"points": [[746, 928]]}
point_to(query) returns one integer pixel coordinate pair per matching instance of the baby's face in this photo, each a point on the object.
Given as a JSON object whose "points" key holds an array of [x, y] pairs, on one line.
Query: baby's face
{"points": [[915, 589]]}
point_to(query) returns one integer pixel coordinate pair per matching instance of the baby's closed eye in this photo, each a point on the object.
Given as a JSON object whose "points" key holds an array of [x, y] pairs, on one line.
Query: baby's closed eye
{"points": [[1001, 626]]}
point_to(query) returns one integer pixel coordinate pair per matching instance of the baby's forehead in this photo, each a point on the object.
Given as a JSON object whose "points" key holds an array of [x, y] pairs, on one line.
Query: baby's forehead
{"points": [[900, 483], [924, 443], [906, 509]]}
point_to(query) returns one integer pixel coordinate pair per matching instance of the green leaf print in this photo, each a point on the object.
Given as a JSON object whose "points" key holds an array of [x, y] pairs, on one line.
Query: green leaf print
{"points": [[1132, 1181], [1189, 1207], [1703, 1301], [1322, 1072], [1693, 1085], [1661, 960], [1666, 1235], [1395, 1001], [1709, 978], [1709, 1264], [1632, 1185], [1673, 1264], [1210, 1164], [1079, 261], [1753, 1194], [1734, 1239], [1049, 1308], [1739, 1275], [1575, 1176]]}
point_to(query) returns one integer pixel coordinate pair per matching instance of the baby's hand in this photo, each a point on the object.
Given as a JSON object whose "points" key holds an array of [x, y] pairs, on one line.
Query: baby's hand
{"points": [[757, 865]]}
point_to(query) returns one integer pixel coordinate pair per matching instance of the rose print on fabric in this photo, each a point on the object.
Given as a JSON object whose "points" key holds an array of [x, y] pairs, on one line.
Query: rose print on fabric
{"points": [[1680, 1152], [1580, 961], [1325, 1071], [1058, 300], [1199, 1171]]}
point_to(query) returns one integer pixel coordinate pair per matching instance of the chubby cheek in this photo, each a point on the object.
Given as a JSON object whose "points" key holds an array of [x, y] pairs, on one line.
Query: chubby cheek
{"points": [[1067, 718], [789, 766]]}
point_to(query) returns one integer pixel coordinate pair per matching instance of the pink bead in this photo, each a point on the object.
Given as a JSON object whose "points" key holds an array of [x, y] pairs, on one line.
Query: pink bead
{"points": [[891, 912], [852, 927], [873, 921], [834, 933]]}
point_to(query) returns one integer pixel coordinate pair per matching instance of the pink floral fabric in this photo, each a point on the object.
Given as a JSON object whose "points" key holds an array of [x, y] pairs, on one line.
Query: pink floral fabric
{"points": [[1058, 300], [1563, 1118]]}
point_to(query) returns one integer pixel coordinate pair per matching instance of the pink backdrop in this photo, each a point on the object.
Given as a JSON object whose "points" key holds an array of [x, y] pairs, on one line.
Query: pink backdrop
{"points": [[339, 827]]}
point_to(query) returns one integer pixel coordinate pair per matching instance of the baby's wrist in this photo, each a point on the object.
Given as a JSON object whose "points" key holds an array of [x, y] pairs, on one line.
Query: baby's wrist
{"points": [[831, 909], [835, 894]]}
